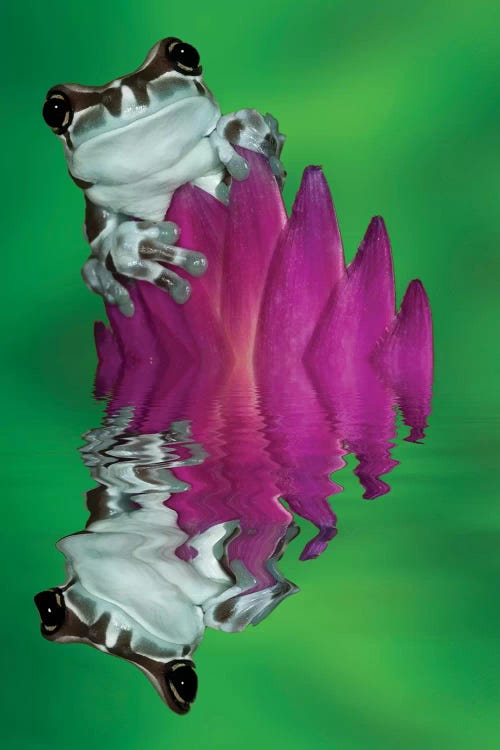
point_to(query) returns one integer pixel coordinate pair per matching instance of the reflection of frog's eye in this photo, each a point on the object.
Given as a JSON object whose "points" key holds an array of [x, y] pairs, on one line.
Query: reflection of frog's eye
{"points": [[182, 683], [52, 609], [184, 57], [58, 112]]}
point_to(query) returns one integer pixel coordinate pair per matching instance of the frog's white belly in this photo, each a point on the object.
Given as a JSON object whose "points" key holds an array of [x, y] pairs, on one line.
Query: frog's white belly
{"points": [[128, 568], [149, 197]]}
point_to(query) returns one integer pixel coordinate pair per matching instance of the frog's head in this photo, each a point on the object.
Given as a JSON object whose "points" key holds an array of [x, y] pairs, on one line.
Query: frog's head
{"points": [[62, 621], [106, 129]]}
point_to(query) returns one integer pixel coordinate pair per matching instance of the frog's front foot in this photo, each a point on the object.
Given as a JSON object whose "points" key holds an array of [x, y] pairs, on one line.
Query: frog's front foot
{"points": [[249, 129], [137, 250]]}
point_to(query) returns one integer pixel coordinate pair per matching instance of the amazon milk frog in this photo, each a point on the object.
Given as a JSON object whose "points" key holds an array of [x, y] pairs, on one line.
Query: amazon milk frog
{"points": [[130, 143]]}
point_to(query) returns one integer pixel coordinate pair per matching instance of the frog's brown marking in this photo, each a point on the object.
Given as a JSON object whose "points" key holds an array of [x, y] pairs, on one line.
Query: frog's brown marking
{"points": [[96, 219], [82, 184], [165, 87], [110, 94], [151, 68], [224, 611], [233, 130], [67, 137], [91, 120], [153, 668], [164, 281], [110, 263], [97, 631], [148, 249], [83, 97], [112, 100]]}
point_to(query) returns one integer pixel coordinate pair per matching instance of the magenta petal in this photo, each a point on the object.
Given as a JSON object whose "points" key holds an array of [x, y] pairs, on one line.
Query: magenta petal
{"points": [[162, 330], [256, 218], [305, 453], [361, 411], [135, 336], [108, 354], [193, 331], [405, 357], [202, 220], [361, 308], [305, 268]]}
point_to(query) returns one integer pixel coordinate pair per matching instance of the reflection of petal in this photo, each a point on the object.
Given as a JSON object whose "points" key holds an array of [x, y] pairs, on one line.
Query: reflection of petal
{"points": [[300, 442], [110, 360], [405, 358], [306, 266], [361, 412]]}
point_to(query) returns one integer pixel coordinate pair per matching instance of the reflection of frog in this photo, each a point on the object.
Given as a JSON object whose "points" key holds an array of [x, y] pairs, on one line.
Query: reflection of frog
{"points": [[138, 586], [131, 143]]}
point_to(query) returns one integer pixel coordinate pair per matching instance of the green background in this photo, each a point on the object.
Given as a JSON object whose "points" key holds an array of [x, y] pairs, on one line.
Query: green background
{"points": [[392, 641]]}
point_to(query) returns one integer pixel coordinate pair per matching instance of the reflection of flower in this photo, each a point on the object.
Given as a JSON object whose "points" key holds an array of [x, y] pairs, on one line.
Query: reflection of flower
{"points": [[280, 332]]}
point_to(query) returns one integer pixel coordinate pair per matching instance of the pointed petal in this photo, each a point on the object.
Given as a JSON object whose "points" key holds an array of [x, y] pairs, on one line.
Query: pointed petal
{"points": [[301, 444], [307, 264], [256, 218], [405, 356], [361, 308]]}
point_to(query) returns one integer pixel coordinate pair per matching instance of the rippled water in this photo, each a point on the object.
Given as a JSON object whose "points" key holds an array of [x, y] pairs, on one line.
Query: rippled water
{"points": [[232, 486], [386, 638]]}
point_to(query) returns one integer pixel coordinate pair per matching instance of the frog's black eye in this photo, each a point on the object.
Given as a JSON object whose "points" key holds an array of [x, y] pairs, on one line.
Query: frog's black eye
{"points": [[58, 112], [181, 683], [52, 609], [184, 57]]}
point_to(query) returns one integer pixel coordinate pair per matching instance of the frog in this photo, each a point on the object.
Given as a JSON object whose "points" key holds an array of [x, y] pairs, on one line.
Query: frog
{"points": [[130, 144], [138, 585]]}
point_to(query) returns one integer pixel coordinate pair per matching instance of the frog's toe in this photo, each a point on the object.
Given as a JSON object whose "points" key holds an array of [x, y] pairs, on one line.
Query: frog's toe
{"points": [[163, 231], [90, 275], [193, 262], [237, 167], [124, 303], [101, 281], [275, 137], [178, 288], [115, 294], [277, 170]]}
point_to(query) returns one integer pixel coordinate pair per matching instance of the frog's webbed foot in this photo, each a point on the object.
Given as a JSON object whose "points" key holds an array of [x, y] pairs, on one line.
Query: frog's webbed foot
{"points": [[138, 250], [249, 129], [101, 281]]}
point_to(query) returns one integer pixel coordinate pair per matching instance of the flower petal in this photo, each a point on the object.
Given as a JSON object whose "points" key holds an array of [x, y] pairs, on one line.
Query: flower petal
{"points": [[256, 217], [307, 264], [361, 308], [405, 357]]}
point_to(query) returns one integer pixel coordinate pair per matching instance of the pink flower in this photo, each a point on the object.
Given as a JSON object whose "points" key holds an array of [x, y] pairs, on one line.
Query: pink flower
{"points": [[283, 359]]}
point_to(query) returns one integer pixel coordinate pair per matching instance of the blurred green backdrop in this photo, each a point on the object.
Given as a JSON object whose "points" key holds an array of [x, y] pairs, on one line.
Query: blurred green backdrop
{"points": [[392, 641]]}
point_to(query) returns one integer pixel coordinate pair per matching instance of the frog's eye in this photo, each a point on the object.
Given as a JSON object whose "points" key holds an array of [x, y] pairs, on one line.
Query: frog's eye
{"points": [[184, 57], [181, 683], [52, 609], [58, 112]]}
